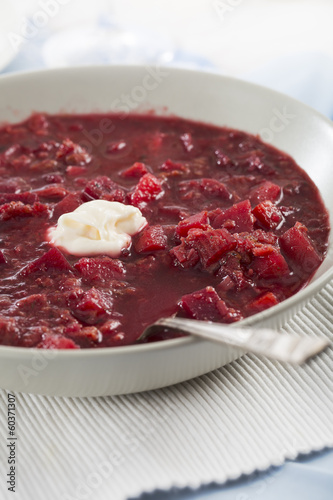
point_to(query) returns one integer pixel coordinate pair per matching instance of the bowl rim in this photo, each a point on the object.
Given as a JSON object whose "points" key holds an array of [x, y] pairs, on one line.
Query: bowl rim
{"points": [[305, 294]]}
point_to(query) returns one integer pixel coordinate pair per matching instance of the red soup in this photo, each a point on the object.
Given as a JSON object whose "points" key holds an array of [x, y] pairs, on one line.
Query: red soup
{"points": [[234, 227]]}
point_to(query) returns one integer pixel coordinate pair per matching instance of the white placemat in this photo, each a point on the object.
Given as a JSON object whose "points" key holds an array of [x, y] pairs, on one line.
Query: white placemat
{"points": [[246, 416]]}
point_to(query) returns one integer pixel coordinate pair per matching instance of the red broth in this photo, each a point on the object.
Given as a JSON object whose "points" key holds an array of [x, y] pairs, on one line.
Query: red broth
{"points": [[235, 227]]}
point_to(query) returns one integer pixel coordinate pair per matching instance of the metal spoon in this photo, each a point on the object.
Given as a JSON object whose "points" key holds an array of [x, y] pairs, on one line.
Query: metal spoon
{"points": [[262, 341]]}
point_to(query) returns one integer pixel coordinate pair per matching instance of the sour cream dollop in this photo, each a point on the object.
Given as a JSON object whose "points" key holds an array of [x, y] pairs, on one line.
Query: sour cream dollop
{"points": [[97, 227]]}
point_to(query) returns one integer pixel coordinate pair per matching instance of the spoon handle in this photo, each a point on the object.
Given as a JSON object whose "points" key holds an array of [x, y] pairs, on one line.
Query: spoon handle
{"points": [[262, 341]]}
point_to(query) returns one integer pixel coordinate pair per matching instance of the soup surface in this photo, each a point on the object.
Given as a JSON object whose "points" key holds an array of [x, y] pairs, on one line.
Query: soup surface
{"points": [[234, 227]]}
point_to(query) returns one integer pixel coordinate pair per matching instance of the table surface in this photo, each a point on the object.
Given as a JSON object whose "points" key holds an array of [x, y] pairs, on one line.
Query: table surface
{"points": [[312, 476], [307, 478]]}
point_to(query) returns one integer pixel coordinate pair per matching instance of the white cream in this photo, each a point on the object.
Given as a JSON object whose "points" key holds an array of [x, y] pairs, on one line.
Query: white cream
{"points": [[97, 227]]}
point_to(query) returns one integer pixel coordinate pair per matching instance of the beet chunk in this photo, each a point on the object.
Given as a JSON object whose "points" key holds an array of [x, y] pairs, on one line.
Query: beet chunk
{"points": [[52, 341], [72, 154], [67, 204], [206, 305], [2, 258], [100, 269], [151, 239], [298, 248], [103, 188], [16, 209], [91, 307], [53, 191], [173, 166], [75, 171], [13, 185], [9, 331], [232, 274], [53, 259], [199, 220], [266, 191], [207, 187], [268, 262], [33, 302], [27, 198], [184, 256], [263, 302], [268, 214], [148, 189], [137, 170], [240, 214], [210, 244]]}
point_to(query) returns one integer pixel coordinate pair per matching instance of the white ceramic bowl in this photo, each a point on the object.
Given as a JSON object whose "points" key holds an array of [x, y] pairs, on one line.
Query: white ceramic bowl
{"points": [[286, 123]]}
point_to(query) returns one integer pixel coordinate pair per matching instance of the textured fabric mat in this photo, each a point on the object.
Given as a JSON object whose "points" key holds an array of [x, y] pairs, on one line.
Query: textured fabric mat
{"points": [[248, 415]]}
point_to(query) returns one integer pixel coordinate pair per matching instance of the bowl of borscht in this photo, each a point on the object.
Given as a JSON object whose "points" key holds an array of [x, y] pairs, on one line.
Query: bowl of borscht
{"points": [[132, 193]]}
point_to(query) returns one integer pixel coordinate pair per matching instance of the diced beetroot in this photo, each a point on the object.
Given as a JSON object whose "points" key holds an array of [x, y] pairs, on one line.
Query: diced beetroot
{"points": [[262, 250], [203, 304], [91, 333], [206, 305], [240, 214], [264, 302], [100, 269], [67, 204], [44, 148], [213, 214], [266, 191], [298, 248], [268, 262], [21, 162], [199, 220], [103, 188], [187, 141], [91, 307], [150, 239], [72, 154], [54, 191], [18, 209], [110, 327], [2, 258], [75, 170], [171, 166], [9, 331], [264, 237], [184, 256], [87, 336], [27, 198], [38, 123], [208, 187], [53, 178], [268, 214], [13, 185], [212, 187], [52, 341], [226, 284], [232, 273], [51, 259], [45, 164], [210, 244], [148, 189], [32, 302], [135, 171], [12, 150], [40, 210]]}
